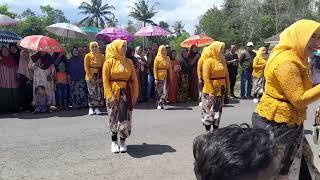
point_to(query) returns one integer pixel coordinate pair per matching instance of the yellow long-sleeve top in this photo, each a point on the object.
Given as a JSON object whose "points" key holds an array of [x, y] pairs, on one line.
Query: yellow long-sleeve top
{"points": [[93, 64], [259, 63], [215, 72], [162, 66], [288, 86], [204, 56], [118, 71]]}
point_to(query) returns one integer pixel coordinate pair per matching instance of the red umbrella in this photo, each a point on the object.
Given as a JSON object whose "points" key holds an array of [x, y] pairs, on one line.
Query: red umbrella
{"points": [[41, 43], [199, 40]]}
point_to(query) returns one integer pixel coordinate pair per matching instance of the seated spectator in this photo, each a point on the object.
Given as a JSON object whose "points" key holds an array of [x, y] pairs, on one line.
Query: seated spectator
{"points": [[41, 102], [236, 153]]}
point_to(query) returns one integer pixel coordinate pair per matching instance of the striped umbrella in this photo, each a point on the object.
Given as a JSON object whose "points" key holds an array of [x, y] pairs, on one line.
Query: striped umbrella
{"points": [[199, 40], [9, 37]]}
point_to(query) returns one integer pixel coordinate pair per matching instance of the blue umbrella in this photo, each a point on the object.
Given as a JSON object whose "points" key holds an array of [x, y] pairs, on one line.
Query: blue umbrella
{"points": [[9, 37]]}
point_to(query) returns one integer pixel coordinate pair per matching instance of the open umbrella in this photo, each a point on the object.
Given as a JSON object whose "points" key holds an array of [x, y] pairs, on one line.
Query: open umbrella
{"points": [[90, 31], [199, 40], [7, 21], [41, 43], [9, 37], [110, 34], [66, 30], [152, 31]]}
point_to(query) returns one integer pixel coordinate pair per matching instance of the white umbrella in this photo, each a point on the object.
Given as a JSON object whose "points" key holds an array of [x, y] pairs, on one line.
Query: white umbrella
{"points": [[66, 30], [7, 21]]}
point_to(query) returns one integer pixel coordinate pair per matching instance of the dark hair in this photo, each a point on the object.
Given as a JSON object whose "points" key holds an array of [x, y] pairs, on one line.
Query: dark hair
{"points": [[129, 53], [38, 88], [74, 49], [171, 54], [233, 151]]}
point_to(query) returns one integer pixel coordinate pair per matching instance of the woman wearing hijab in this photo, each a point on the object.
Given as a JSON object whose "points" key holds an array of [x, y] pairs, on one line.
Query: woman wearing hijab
{"points": [[130, 55], [119, 77], [143, 75], [183, 82], [288, 92], [173, 86], [259, 63], [204, 56], [14, 52], [78, 86], [193, 58], [25, 81], [8, 81], [216, 85], [162, 75], [93, 63], [44, 72]]}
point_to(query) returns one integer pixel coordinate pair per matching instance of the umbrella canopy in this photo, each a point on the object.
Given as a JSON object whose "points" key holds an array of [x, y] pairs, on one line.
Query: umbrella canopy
{"points": [[152, 31], [199, 40], [9, 37], [7, 21], [110, 34], [66, 30], [90, 31], [41, 43], [273, 39]]}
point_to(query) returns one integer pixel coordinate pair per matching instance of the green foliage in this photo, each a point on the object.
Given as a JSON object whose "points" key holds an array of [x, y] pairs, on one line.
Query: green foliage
{"points": [[141, 11], [4, 9]]}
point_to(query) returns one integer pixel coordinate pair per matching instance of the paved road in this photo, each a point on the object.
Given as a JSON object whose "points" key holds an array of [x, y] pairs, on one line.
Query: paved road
{"points": [[71, 145]]}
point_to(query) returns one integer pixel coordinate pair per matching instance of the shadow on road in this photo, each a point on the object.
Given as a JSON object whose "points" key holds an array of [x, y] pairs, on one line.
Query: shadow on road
{"points": [[69, 113], [178, 108], [144, 150], [234, 101]]}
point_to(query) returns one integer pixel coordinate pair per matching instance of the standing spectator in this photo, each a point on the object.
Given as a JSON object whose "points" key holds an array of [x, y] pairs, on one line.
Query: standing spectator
{"points": [[25, 81], [62, 83], [193, 58], [8, 81], [14, 52], [246, 62], [44, 74], [168, 50], [183, 83], [315, 67], [78, 86], [173, 86], [162, 76], [150, 59], [143, 78], [93, 63], [259, 63], [232, 62], [130, 55]]}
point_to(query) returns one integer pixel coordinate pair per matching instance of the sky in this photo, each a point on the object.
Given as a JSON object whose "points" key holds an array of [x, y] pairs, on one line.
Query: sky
{"points": [[187, 11]]}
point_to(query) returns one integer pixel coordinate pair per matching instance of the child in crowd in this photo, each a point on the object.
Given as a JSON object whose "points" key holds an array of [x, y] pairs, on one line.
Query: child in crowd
{"points": [[62, 86], [41, 101]]}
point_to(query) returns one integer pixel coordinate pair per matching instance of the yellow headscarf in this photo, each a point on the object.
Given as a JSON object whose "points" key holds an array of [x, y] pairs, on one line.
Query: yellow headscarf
{"points": [[214, 50], [295, 38], [260, 53], [114, 50], [204, 54], [94, 55], [159, 56]]}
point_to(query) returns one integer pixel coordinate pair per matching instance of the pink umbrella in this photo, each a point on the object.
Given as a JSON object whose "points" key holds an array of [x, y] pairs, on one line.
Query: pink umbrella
{"points": [[152, 31], [41, 43], [7, 21], [110, 34]]}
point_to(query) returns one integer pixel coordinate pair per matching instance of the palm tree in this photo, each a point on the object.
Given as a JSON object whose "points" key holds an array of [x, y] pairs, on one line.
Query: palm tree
{"points": [[98, 15], [178, 28], [141, 11]]}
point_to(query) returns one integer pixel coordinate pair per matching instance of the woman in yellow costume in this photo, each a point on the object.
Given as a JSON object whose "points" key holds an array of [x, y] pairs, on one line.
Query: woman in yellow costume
{"points": [[162, 74], [118, 74], [288, 92], [93, 63], [259, 63], [199, 73], [216, 85]]}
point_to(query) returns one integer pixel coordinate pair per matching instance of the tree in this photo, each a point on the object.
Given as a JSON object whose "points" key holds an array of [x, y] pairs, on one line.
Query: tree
{"points": [[4, 9], [141, 11], [178, 28], [164, 25], [27, 13], [98, 15], [113, 22], [52, 16]]}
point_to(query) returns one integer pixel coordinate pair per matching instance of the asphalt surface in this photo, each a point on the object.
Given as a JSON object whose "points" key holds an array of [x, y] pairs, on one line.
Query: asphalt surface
{"points": [[72, 145]]}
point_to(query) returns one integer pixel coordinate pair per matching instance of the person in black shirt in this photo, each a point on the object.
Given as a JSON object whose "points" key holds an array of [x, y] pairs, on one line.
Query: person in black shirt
{"points": [[232, 62]]}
